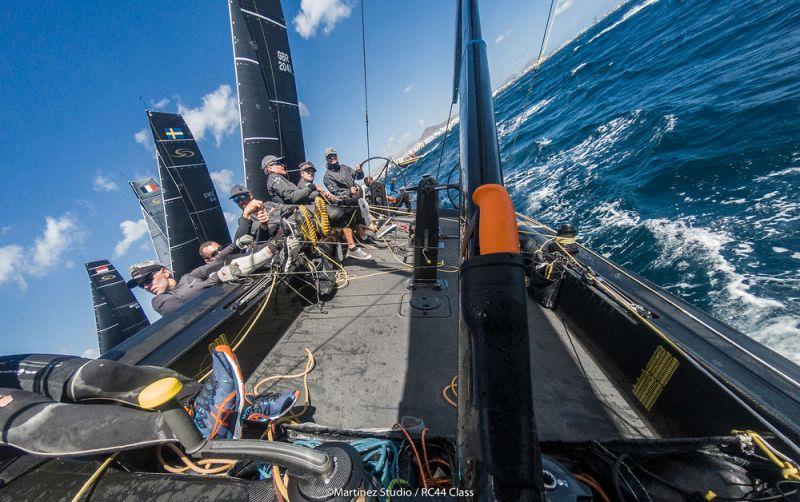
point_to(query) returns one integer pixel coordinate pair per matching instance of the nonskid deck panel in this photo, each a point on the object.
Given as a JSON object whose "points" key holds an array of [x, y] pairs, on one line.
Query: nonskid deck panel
{"points": [[378, 360]]}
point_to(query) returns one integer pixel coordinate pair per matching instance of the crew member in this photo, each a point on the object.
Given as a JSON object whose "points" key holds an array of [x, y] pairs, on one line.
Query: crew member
{"points": [[340, 216], [280, 189], [259, 219], [339, 178], [171, 294]]}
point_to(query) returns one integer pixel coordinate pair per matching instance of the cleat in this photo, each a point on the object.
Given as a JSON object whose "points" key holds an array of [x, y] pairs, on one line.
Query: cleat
{"points": [[219, 404]]}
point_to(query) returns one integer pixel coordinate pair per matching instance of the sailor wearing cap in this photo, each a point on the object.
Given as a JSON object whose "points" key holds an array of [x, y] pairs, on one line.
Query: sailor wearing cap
{"points": [[259, 219], [169, 293], [282, 190], [339, 178]]}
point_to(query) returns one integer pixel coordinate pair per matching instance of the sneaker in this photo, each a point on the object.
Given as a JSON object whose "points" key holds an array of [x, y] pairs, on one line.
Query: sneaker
{"points": [[219, 404], [267, 407], [384, 229], [358, 254], [371, 242]]}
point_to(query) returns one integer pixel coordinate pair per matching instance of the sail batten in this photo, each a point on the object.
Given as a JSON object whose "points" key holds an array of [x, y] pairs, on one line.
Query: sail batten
{"points": [[265, 83]]}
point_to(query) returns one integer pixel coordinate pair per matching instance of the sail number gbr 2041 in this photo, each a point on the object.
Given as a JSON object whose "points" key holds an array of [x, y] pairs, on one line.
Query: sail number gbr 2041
{"points": [[284, 63]]}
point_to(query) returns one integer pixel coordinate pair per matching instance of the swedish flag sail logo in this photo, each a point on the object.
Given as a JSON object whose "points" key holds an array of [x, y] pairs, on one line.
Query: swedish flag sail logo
{"points": [[174, 133]]}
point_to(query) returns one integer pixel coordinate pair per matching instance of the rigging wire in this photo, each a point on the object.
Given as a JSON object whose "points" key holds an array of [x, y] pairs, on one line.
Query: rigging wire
{"points": [[548, 26], [364, 62]]}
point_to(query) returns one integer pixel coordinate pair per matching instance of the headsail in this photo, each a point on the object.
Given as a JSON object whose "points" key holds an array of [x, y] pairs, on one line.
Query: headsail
{"points": [[148, 191], [116, 311], [191, 205], [268, 106]]}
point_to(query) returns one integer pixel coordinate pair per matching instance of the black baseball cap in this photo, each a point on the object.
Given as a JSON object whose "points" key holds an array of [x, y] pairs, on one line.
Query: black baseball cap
{"points": [[270, 160], [141, 272], [238, 190]]}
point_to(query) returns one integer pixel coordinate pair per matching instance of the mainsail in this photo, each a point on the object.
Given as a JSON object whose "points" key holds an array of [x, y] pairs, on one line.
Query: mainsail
{"points": [[268, 106], [192, 212], [148, 191], [116, 311]]}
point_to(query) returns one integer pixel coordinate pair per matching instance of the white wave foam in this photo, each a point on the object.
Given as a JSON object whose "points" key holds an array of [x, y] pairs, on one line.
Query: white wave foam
{"points": [[577, 69], [779, 250], [782, 172], [609, 214], [796, 256], [506, 127], [781, 335], [671, 121], [625, 17], [679, 239]]}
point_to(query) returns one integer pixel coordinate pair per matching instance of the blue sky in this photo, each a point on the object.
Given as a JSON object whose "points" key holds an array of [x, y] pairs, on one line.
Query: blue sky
{"points": [[71, 77]]}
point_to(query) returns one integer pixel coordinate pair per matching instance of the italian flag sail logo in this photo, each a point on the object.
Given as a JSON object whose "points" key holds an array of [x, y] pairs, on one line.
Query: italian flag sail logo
{"points": [[102, 269]]}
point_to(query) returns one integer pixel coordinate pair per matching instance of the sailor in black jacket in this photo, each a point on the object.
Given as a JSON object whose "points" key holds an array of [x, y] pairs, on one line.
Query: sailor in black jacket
{"points": [[260, 219], [339, 178], [280, 189]]}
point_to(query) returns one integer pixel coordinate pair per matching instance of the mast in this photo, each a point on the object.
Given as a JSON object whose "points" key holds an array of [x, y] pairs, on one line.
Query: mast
{"points": [[148, 192], [497, 444], [117, 313], [192, 212], [265, 83]]}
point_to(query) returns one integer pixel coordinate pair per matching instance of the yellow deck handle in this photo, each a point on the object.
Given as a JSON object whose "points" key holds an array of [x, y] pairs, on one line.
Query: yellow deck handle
{"points": [[159, 392], [498, 232]]}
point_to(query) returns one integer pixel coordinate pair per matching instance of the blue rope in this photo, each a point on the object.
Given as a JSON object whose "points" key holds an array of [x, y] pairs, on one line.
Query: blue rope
{"points": [[379, 456]]}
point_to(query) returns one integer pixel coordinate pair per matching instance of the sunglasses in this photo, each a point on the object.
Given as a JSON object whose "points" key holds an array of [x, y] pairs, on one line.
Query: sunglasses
{"points": [[239, 198], [147, 280], [212, 254]]}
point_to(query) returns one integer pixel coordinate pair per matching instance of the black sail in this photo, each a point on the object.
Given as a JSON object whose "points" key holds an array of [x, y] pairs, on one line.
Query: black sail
{"points": [[191, 205], [116, 311], [148, 191], [265, 82]]}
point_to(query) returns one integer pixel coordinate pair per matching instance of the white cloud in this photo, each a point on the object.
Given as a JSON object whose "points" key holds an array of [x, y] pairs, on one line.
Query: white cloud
{"points": [[91, 353], [132, 231], [230, 218], [60, 234], [499, 39], [103, 183], [218, 114], [223, 179], [563, 6], [315, 12], [159, 104], [421, 122], [18, 262], [408, 88], [11, 264], [142, 137], [303, 109]]}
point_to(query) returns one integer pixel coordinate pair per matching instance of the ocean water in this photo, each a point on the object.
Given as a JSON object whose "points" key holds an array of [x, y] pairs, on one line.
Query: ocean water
{"points": [[669, 134]]}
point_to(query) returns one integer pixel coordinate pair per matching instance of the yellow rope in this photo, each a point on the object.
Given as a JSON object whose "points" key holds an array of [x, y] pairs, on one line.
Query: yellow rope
{"points": [[310, 363], [94, 477], [251, 324], [453, 388], [789, 469]]}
